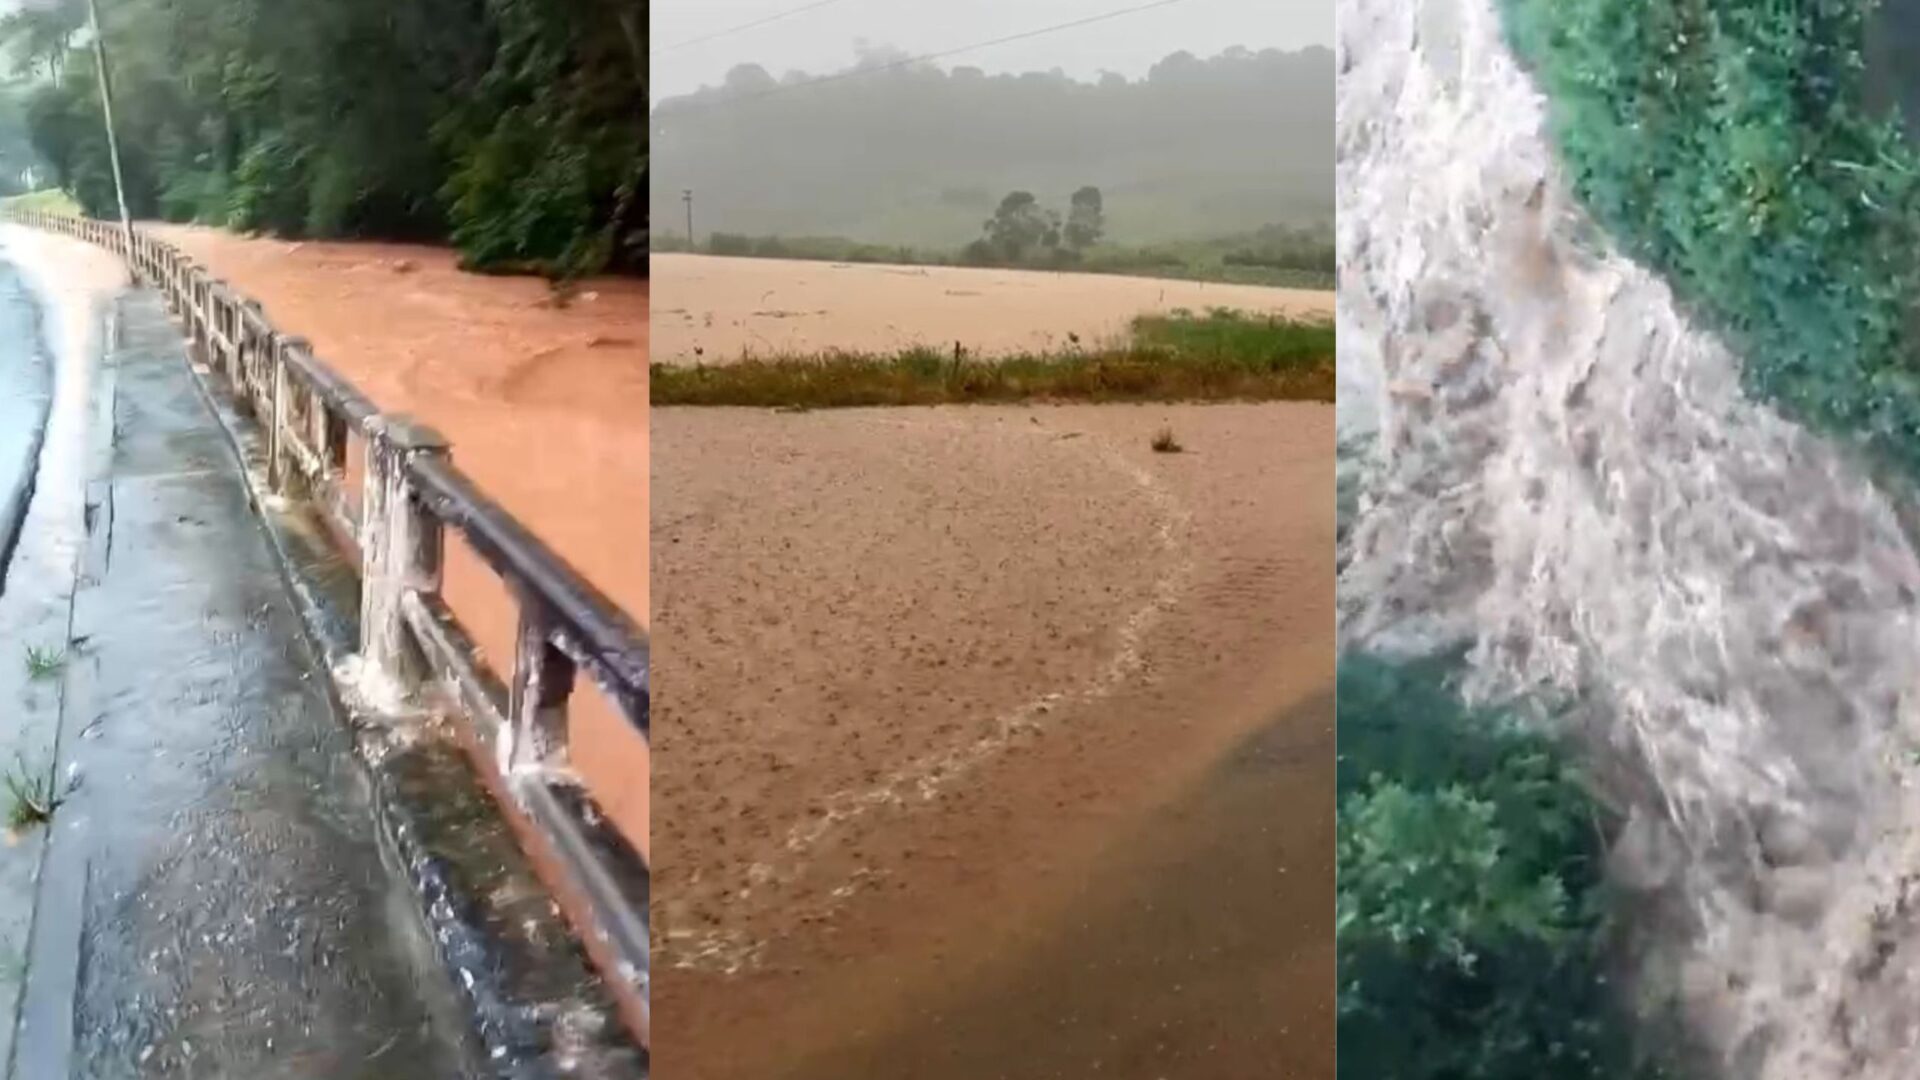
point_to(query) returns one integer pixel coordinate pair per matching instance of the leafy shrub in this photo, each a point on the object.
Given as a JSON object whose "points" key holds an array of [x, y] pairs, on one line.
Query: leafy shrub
{"points": [[1469, 908], [550, 153], [1728, 147], [194, 195], [333, 196], [269, 189], [517, 199]]}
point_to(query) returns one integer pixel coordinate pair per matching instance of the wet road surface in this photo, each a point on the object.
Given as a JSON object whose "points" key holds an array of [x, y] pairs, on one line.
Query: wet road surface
{"points": [[47, 352], [26, 390], [214, 901], [1199, 948]]}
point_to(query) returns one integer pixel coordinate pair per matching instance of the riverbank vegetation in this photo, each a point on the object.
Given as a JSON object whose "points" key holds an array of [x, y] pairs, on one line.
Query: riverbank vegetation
{"points": [[511, 129], [1181, 356], [1731, 148], [1470, 911]]}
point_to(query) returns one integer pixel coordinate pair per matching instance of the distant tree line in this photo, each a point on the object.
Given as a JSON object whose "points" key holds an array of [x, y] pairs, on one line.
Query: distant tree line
{"points": [[1295, 256], [511, 128], [912, 153], [1021, 230]]}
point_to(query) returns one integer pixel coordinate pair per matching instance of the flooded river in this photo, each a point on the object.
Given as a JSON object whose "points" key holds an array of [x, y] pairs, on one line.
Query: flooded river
{"points": [[1560, 472]]}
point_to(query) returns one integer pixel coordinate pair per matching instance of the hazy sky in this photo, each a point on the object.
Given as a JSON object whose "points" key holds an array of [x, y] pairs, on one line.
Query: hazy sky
{"points": [[826, 38]]}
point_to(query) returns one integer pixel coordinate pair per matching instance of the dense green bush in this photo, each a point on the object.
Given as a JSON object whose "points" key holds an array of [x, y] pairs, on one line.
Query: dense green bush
{"points": [[269, 189], [1729, 147], [549, 150], [1470, 915]]}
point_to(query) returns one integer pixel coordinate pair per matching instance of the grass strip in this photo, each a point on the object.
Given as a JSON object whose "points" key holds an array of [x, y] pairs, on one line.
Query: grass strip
{"points": [[1219, 356]]}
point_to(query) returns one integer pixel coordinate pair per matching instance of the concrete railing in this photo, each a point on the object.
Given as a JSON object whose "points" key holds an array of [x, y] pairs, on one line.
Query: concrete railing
{"points": [[410, 494]]}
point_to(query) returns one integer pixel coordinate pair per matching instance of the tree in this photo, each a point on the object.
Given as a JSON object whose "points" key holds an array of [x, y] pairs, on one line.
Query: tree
{"points": [[511, 127], [1020, 225], [39, 36], [1086, 220]]}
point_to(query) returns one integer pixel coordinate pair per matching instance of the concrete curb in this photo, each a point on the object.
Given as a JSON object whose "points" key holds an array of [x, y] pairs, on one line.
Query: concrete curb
{"points": [[537, 1008], [18, 495]]}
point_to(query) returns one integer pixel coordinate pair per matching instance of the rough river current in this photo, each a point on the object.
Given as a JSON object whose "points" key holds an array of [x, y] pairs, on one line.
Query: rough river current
{"points": [[1558, 471]]}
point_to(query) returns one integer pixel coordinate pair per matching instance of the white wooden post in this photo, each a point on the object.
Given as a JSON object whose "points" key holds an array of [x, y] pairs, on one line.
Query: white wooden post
{"points": [[543, 678], [400, 543]]}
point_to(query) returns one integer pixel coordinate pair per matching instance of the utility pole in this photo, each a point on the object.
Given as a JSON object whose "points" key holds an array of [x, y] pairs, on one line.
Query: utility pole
{"points": [[113, 141], [686, 196]]}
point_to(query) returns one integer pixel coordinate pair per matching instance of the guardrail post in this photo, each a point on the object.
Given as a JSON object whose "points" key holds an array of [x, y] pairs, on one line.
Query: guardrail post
{"points": [[217, 331], [277, 452], [230, 329], [242, 363], [195, 308], [249, 359], [400, 543], [543, 678]]}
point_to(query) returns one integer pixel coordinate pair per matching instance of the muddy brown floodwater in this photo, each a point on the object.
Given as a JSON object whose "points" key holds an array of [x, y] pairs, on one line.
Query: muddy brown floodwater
{"points": [[546, 407], [714, 309], [1001, 745]]}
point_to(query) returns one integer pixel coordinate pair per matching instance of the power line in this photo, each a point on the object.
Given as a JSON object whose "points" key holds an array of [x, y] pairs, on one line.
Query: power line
{"points": [[762, 21], [895, 65]]}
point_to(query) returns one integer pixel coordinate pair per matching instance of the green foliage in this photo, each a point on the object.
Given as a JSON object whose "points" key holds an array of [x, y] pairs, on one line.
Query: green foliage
{"points": [[37, 35], [1272, 341], [511, 127], [1020, 225], [1175, 358], [195, 195], [551, 153], [1086, 219], [1729, 147], [516, 199], [269, 187], [44, 663], [1469, 911], [30, 798], [49, 200]]}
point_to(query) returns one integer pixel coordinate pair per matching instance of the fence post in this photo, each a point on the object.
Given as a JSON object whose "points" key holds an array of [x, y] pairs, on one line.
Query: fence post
{"points": [[260, 352], [230, 328], [210, 319], [225, 318], [543, 679], [400, 543], [191, 306], [237, 323]]}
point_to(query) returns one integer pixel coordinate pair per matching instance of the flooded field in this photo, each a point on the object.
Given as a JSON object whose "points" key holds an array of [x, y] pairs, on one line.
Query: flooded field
{"points": [[713, 309], [953, 699], [546, 407]]}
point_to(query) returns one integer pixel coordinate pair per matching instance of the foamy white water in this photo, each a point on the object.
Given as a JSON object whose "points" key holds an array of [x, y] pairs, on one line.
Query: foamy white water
{"points": [[1562, 473]]}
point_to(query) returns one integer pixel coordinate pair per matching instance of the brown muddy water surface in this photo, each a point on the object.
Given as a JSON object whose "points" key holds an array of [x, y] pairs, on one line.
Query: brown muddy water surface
{"points": [[958, 708], [546, 407], [714, 309]]}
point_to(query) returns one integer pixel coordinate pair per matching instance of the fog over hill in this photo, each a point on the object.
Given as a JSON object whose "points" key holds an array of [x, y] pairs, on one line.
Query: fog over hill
{"points": [[920, 154]]}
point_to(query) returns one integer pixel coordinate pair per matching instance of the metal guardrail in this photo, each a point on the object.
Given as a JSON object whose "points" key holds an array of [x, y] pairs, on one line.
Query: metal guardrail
{"points": [[410, 495]]}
